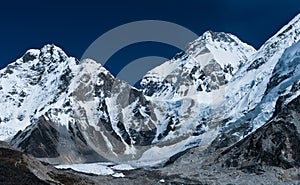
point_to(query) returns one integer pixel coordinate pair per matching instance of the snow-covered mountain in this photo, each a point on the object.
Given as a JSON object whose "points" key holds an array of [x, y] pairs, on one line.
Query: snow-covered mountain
{"points": [[270, 154], [213, 95], [252, 93], [78, 112], [72, 109], [208, 63]]}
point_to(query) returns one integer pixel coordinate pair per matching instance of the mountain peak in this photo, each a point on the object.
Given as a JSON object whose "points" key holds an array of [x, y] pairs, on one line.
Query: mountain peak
{"points": [[220, 41], [51, 48], [208, 63], [217, 36], [48, 53], [52, 53]]}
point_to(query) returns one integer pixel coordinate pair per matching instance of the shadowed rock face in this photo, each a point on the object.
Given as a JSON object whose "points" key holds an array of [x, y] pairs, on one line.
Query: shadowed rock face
{"points": [[275, 144], [23, 169], [48, 140], [42, 140]]}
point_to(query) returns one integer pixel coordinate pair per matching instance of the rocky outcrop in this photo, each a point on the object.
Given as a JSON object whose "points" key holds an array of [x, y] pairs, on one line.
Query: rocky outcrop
{"points": [[274, 144]]}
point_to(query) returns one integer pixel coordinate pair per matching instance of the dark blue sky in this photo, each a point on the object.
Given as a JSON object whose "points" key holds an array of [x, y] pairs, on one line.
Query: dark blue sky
{"points": [[74, 25]]}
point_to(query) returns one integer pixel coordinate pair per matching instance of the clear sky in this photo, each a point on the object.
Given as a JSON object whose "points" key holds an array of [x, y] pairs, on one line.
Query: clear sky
{"points": [[74, 25]]}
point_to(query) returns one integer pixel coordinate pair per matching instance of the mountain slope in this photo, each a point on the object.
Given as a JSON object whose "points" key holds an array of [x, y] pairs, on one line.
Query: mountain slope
{"points": [[276, 143], [208, 63], [268, 155], [253, 91], [73, 109]]}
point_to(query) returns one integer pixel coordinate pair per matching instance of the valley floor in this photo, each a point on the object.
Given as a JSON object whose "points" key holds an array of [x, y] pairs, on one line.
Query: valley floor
{"points": [[19, 168]]}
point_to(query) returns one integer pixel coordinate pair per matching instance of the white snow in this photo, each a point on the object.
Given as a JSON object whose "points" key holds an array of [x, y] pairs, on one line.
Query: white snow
{"points": [[118, 175], [162, 180], [93, 168], [6, 132], [122, 167], [99, 168], [164, 69]]}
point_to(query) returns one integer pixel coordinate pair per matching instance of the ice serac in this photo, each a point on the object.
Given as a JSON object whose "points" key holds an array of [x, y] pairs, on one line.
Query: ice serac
{"points": [[207, 63]]}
